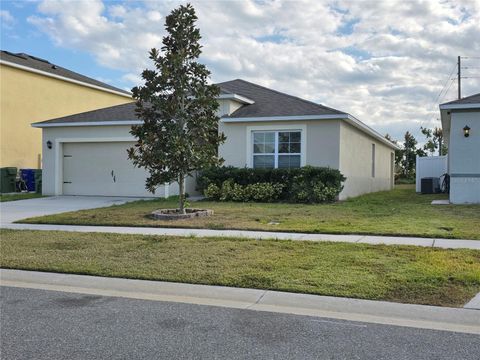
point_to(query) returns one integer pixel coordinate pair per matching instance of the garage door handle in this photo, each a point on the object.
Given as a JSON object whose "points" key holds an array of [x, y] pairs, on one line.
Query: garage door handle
{"points": [[67, 182], [67, 156]]}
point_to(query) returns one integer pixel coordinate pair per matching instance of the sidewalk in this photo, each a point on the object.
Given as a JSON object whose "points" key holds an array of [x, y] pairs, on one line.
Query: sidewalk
{"points": [[364, 239], [380, 312]]}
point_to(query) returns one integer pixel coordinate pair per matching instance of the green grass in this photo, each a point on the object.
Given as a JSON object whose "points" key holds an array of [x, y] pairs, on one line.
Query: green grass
{"points": [[400, 212], [18, 196], [395, 273]]}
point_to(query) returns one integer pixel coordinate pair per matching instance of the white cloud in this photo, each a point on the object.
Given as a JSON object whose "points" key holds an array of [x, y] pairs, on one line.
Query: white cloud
{"points": [[6, 19], [384, 62]]}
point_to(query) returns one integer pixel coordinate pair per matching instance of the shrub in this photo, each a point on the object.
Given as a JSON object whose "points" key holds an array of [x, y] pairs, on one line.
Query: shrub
{"points": [[306, 185], [229, 191]]}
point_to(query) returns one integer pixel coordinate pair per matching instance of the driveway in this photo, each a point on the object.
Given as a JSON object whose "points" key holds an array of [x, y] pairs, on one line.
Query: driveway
{"points": [[11, 211]]}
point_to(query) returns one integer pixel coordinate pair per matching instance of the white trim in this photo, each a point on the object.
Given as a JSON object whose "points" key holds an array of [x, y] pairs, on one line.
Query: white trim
{"points": [[87, 123], [303, 140], [239, 98], [44, 73], [283, 118], [460, 106], [367, 129]]}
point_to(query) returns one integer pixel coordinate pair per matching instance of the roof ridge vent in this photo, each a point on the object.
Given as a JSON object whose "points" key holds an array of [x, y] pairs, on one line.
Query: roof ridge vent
{"points": [[19, 55], [38, 59]]}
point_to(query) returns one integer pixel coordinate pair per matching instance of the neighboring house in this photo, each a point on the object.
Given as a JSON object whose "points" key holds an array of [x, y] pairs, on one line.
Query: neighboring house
{"points": [[264, 128], [461, 127], [35, 89]]}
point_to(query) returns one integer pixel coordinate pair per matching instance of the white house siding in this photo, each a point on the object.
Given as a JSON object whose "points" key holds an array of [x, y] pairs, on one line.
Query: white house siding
{"points": [[356, 163], [321, 141], [464, 157], [53, 159]]}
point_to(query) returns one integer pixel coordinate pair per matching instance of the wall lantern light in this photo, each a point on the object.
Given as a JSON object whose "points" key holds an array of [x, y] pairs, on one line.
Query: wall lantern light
{"points": [[49, 144], [466, 131]]}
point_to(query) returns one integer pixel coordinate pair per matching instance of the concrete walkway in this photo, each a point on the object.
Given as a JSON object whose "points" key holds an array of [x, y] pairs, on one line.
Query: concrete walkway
{"points": [[16, 210], [364, 239], [381, 312]]}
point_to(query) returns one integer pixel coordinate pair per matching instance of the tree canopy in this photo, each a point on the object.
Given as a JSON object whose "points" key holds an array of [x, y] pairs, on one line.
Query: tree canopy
{"points": [[178, 106]]}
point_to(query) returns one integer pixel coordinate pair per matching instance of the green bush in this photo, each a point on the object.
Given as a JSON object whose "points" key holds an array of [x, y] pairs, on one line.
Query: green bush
{"points": [[304, 185], [229, 191]]}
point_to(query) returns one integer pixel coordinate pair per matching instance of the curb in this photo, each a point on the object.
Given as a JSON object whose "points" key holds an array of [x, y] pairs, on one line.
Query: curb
{"points": [[368, 311]]}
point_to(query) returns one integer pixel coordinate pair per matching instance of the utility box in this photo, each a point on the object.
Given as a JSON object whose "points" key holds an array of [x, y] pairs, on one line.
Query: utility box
{"points": [[430, 185], [8, 177]]}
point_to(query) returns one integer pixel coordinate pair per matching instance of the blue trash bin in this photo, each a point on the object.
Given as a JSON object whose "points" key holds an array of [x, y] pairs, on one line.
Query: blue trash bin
{"points": [[28, 175]]}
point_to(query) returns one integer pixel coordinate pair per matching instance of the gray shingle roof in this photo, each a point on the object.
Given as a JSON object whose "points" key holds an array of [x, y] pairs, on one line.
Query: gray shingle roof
{"points": [[267, 103], [472, 99], [270, 102], [123, 112], [36, 63]]}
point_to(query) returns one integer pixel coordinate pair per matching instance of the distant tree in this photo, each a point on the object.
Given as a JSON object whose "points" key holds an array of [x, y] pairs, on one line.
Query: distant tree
{"points": [[410, 152], [398, 154], [179, 133], [434, 140]]}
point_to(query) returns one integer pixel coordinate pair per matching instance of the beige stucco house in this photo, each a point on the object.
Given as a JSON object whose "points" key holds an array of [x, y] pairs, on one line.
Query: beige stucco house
{"points": [[85, 154], [34, 89], [461, 127]]}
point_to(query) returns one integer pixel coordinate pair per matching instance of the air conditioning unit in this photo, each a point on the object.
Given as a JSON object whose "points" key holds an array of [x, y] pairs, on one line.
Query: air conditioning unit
{"points": [[430, 185]]}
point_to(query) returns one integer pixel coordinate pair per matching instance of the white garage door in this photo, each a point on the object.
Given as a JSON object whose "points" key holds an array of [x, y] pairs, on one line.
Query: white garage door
{"points": [[102, 169]]}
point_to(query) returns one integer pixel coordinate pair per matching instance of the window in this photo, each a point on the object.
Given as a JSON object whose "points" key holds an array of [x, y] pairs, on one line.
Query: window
{"points": [[276, 149], [373, 160]]}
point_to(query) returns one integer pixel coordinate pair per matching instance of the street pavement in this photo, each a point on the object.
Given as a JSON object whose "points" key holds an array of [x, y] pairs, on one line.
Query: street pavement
{"points": [[43, 324]]}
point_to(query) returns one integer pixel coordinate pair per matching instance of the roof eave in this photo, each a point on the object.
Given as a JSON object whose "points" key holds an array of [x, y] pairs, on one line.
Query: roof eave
{"points": [[459, 106], [239, 98], [44, 73], [86, 123]]}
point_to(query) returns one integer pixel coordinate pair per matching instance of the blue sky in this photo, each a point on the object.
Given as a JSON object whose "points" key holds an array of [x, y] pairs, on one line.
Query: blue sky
{"points": [[384, 62]]}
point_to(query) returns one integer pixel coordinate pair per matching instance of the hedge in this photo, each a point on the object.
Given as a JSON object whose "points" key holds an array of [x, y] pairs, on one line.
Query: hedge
{"points": [[303, 185]]}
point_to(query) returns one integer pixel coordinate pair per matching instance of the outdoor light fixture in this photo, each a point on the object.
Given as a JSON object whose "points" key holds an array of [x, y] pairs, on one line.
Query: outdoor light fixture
{"points": [[466, 131], [49, 144]]}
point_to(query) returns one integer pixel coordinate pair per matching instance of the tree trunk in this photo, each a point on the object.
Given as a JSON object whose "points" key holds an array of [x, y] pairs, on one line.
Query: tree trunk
{"points": [[181, 197]]}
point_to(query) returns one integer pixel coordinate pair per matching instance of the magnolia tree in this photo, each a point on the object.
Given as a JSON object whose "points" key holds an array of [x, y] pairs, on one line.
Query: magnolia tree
{"points": [[179, 133]]}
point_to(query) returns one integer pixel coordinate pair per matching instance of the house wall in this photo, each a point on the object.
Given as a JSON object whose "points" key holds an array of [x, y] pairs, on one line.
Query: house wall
{"points": [[321, 142], [53, 158], [464, 158], [26, 97], [356, 163]]}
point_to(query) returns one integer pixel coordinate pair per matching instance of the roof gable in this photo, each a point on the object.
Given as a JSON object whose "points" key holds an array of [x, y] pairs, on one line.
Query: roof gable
{"points": [[472, 99], [268, 102]]}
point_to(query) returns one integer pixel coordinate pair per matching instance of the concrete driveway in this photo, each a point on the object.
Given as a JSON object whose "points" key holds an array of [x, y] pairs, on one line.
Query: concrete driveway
{"points": [[11, 211]]}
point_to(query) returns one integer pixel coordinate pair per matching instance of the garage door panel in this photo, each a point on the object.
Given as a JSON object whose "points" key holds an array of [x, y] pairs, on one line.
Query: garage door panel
{"points": [[102, 169]]}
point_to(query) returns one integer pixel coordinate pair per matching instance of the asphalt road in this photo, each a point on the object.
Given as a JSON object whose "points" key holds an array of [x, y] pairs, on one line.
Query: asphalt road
{"points": [[39, 324]]}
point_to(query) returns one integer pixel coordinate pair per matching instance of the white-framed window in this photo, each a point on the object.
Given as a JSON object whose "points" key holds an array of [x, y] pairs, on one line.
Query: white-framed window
{"points": [[277, 149]]}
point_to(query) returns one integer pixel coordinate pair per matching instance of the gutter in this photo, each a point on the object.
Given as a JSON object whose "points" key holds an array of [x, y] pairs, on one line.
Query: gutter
{"points": [[86, 123], [459, 106], [44, 73]]}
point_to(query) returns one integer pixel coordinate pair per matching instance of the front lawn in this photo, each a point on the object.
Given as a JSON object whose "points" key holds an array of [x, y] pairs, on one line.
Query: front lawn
{"points": [[18, 196], [395, 273], [400, 212]]}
